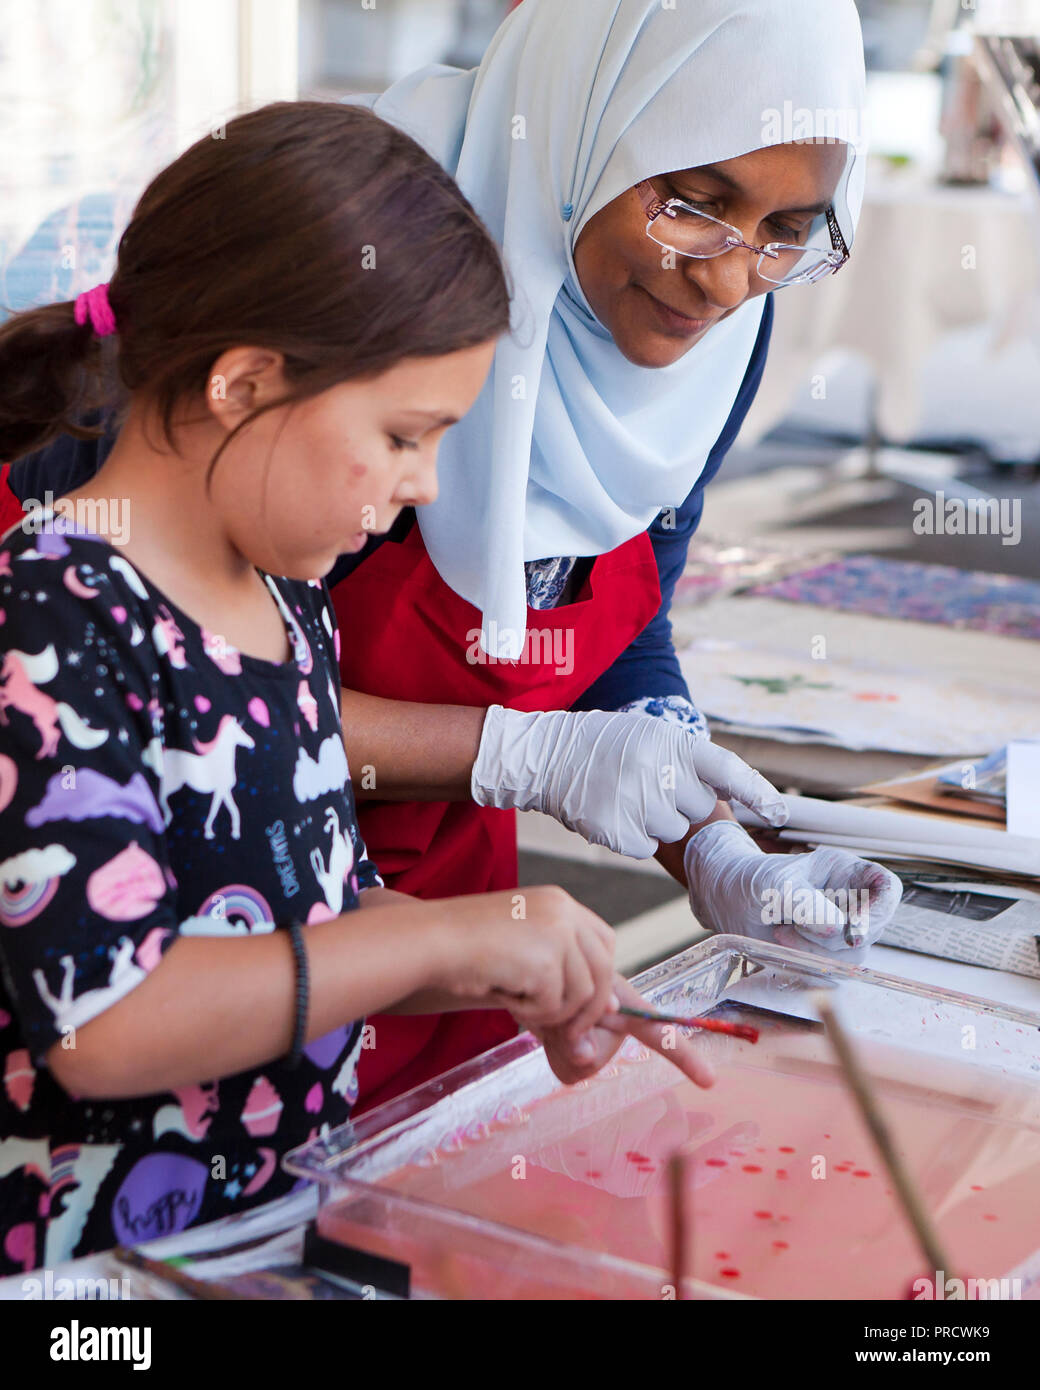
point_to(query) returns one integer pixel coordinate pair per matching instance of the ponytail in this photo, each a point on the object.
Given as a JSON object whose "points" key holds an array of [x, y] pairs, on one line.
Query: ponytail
{"points": [[53, 370]]}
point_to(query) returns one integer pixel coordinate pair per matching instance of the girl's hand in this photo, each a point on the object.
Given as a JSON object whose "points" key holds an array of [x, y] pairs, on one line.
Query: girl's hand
{"points": [[576, 1056], [535, 951]]}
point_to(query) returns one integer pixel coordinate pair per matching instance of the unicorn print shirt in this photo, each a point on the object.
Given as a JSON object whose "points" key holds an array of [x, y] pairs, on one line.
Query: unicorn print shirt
{"points": [[154, 782]]}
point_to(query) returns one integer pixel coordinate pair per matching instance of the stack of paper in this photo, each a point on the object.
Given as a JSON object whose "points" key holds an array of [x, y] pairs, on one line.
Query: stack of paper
{"points": [[903, 834]]}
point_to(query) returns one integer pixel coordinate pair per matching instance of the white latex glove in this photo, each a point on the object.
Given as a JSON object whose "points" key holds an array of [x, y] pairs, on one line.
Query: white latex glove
{"points": [[829, 898], [622, 780]]}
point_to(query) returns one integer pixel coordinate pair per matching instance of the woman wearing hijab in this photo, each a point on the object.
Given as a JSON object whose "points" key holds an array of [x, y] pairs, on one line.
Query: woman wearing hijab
{"points": [[653, 174]]}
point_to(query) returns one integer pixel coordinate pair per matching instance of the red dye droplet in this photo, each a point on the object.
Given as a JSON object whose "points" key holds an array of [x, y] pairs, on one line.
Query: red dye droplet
{"points": [[861, 1173], [760, 1151], [841, 1167], [722, 1254], [764, 1215], [645, 1168], [591, 1174], [634, 1156], [786, 1149], [785, 1218], [989, 1216], [826, 1136], [738, 1153], [780, 1245], [715, 1162], [781, 1172], [976, 1188], [752, 1168], [730, 1273]]}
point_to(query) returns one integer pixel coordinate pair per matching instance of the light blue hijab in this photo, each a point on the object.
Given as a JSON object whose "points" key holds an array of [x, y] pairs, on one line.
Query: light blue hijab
{"points": [[570, 449]]}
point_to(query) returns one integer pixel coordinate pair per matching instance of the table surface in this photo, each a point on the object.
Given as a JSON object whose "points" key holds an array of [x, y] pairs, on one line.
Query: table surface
{"points": [[818, 769]]}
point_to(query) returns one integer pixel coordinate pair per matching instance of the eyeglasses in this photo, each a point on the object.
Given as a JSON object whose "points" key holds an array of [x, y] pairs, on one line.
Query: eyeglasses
{"points": [[702, 237]]}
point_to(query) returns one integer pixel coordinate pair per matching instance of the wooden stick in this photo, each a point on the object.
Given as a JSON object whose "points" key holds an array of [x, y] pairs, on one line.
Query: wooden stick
{"points": [[913, 1206], [680, 1219]]}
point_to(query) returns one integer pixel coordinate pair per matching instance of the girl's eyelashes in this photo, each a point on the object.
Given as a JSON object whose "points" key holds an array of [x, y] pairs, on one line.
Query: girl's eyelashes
{"points": [[398, 443]]}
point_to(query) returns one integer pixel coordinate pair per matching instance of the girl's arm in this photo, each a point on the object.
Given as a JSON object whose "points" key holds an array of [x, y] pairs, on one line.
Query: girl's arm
{"points": [[225, 1004], [215, 1006]]}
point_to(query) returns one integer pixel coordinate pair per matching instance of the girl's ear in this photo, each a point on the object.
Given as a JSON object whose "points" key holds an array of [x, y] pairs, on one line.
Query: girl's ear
{"points": [[242, 379]]}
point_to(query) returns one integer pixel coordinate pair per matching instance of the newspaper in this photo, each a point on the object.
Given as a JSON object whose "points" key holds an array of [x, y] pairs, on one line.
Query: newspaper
{"points": [[988, 925]]}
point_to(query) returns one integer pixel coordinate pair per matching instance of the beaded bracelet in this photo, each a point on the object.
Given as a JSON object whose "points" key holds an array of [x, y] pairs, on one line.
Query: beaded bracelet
{"points": [[299, 950]]}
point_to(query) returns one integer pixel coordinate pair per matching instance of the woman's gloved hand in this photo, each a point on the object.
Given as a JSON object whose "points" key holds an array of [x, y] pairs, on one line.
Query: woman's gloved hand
{"points": [[622, 780], [829, 898]]}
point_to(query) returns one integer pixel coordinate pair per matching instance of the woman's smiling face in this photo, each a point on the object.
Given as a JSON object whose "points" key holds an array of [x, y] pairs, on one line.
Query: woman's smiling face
{"points": [[656, 313]]}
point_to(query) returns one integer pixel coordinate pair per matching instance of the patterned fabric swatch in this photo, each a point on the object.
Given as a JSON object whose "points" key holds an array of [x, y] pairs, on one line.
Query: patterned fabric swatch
{"points": [[919, 593]]}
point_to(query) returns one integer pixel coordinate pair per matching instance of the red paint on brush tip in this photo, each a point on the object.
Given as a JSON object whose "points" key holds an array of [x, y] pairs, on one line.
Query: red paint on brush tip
{"points": [[720, 1025], [711, 1025]]}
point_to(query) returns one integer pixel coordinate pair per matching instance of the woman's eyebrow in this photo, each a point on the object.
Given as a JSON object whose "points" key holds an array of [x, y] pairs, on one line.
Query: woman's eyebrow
{"points": [[432, 415], [714, 172]]}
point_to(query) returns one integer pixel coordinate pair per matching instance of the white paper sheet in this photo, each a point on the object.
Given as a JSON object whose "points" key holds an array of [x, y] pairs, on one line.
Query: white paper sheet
{"points": [[1023, 789]]}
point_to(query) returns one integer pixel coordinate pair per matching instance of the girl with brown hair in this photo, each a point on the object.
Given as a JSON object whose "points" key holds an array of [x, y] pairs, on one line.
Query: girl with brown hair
{"points": [[298, 313]]}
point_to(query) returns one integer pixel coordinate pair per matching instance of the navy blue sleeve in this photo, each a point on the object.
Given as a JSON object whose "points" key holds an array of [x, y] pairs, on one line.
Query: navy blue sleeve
{"points": [[649, 665], [62, 466]]}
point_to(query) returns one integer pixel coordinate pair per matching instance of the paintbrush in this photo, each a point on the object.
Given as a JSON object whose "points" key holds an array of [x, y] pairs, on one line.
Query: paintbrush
{"points": [[712, 1025], [913, 1206], [159, 1269]]}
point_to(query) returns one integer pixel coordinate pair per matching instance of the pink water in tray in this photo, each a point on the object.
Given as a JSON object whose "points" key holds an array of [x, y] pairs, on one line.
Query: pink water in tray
{"points": [[789, 1197]]}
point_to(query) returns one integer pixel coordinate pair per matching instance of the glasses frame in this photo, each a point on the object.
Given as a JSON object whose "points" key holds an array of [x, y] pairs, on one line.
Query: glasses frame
{"points": [[655, 207]]}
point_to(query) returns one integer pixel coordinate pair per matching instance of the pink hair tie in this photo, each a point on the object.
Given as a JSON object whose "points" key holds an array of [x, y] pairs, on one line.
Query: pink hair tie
{"points": [[94, 304]]}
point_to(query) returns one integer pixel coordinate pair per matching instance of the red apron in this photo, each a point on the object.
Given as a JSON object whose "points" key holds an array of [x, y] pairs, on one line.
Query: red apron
{"points": [[11, 509], [407, 636]]}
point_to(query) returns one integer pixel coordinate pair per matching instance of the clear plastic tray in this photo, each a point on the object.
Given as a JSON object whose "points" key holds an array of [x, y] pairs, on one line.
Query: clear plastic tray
{"points": [[495, 1181]]}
